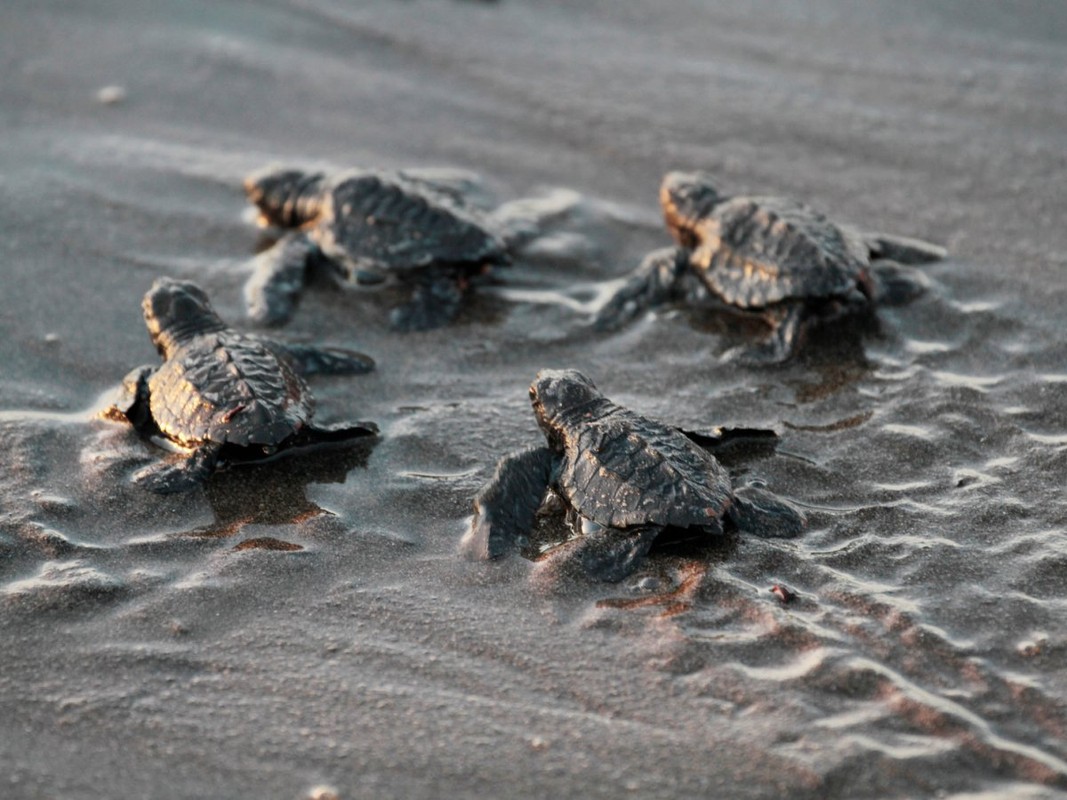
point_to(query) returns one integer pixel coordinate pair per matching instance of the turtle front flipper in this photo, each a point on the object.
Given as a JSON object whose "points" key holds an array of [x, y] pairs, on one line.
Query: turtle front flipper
{"points": [[504, 509], [903, 249], [278, 278], [657, 280], [131, 400], [311, 360], [182, 476], [606, 555], [434, 303], [758, 512]]}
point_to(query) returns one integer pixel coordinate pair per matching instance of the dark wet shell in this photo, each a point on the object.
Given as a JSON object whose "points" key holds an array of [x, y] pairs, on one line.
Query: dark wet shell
{"points": [[389, 222], [621, 469], [228, 388], [754, 251]]}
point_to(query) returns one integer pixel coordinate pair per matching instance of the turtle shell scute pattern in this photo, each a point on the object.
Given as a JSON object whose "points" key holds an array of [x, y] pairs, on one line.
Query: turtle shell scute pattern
{"points": [[621, 470], [754, 252], [228, 389], [390, 223]]}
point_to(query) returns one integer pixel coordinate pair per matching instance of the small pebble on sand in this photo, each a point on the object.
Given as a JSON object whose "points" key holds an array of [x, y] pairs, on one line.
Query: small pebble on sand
{"points": [[111, 95], [783, 593]]}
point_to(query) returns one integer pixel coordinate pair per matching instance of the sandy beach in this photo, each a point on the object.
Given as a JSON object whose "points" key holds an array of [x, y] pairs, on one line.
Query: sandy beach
{"points": [[309, 622]]}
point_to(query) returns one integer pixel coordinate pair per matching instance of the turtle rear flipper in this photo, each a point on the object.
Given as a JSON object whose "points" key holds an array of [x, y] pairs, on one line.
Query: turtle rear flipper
{"points": [[789, 327], [181, 476], [505, 508], [654, 282], [903, 249], [894, 284], [718, 438], [735, 444], [433, 303], [336, 432], [761, 513], [278, 278], [311, 360], [606, 555], [520, 223]]}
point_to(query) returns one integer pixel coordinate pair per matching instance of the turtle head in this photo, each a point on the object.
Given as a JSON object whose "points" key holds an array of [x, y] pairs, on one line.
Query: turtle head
{"points": [[286, 198], [176, 311], [556, 394], [686, 198]]}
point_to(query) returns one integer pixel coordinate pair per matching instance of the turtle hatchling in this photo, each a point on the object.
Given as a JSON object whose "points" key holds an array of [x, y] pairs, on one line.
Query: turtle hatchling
{"points": [[773, 256], [221, 395], [365, 227], [624, 478]]}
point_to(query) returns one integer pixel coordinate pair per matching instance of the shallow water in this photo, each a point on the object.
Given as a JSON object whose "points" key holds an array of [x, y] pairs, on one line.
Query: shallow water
{"points": [[309, 622]]}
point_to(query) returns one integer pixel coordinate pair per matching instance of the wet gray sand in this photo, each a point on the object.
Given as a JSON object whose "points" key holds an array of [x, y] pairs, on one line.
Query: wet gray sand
{"points": [[308, 622]]}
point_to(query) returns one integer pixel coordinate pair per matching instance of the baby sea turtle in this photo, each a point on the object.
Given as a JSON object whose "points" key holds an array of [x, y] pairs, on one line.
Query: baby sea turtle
{"points": [[770, 255], [366, 226], [221, 395], [625, 479]]}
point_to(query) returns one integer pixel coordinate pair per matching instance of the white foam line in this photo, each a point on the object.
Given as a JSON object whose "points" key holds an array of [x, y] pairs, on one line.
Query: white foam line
{"points": [[541, 297], [27, 415], [962, 714], [101, 402]]}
